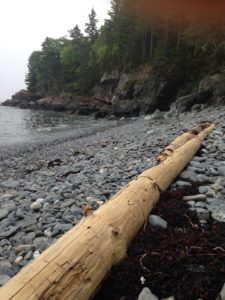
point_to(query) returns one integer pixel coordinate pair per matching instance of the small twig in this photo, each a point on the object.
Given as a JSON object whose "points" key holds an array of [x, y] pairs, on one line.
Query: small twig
{"points": [[219, 248], [146, 222], [141, 263], [195, 226]]}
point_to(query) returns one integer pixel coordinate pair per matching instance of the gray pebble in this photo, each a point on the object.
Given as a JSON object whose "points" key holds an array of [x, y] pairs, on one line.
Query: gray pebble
{"points": [[157, 221], [6, 268], [222, 293], [188, 175], [191, 203], [36, 206], [4, 279], [63, 227], [199, 197], [181, 183], [221, 170], [203, 189], [202, 214], [146, 294], [3, 213], [200, 204], [29, 255], [219, 214]]}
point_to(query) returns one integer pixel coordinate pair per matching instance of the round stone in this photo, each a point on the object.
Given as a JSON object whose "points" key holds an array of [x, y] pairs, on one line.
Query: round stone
{"points": [[3, 213], [36, 206], [157, 221], [18, 260], [4, 279]]}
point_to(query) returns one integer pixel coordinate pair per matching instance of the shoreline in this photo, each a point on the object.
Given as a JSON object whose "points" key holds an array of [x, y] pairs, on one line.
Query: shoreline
{"points": [[56, 137], [42, 198]]}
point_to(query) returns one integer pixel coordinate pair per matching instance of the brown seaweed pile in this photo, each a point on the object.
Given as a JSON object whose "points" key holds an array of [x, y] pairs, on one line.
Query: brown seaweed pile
{"points": [[186, 260]]}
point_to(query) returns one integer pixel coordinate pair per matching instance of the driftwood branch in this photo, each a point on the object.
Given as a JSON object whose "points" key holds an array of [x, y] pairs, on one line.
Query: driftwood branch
{"points": [[75, 266]]}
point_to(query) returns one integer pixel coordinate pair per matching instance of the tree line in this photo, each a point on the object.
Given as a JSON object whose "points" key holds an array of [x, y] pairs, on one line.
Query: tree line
{"points": [[128, 39]]}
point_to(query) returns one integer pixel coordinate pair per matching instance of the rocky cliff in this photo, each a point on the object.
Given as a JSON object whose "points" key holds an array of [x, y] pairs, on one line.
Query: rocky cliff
{"points": [[122, 94]]}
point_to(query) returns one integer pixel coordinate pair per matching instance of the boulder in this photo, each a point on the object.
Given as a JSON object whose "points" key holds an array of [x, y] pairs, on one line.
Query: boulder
{"points": [[57, 104], [157, 91], [125, 87], [126, 108], [141, 92], [26, 95], [105, 89], [185, 103], [215, 83], [114, 75], [23, 99]]}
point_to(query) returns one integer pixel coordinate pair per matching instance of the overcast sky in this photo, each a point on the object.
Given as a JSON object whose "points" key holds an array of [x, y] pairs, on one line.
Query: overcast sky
{"points": [[24, 24]]}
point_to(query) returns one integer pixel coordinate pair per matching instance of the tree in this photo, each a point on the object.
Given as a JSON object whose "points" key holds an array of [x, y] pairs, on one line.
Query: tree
{"points": [[33, 77], [91, 27]]}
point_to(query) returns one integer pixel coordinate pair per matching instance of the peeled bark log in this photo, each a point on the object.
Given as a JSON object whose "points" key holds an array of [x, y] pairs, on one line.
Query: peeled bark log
{"points": [[76, 264], [180, 141]]}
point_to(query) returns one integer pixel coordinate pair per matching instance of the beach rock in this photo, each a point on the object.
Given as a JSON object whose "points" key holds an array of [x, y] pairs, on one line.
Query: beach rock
{"points": [[36, 254], [191, 203], [3, 213], [12, 230], [157, 221], [219, 214], [215, 83], [4, 279], [222, 170], [36, 206], [40, 242], [157, 114], [63, 227], [146, 294], [181, 183], [203, 189], [28, 256], [202, 214], [23, 248], [6, 268], [200, 204], [187, 175], [199, 197], [18, 260], [222, 293], [185, 103]]}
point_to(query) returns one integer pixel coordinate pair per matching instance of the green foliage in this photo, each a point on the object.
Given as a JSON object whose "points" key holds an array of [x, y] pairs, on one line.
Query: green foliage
{"points": [[91, 27], [125, 42]]}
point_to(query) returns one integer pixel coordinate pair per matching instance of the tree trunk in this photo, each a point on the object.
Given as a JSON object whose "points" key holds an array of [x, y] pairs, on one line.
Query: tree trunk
{"points": [[151, 43], [166, 35], [178, 36], [75, 266]]}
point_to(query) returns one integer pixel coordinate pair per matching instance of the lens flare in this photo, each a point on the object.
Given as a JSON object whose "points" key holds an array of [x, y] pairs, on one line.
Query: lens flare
{"points": [[201, 9]]}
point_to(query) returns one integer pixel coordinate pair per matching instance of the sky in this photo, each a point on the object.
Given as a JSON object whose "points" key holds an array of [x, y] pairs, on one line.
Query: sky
{"points": [[24, 25]]}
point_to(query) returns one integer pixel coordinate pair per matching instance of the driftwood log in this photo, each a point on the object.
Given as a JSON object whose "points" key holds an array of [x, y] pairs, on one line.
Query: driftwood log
{"points": [[75, 266]]}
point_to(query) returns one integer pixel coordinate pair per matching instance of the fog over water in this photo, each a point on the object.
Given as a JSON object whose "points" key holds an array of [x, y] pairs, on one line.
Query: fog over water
{"points": [[24, 26]]}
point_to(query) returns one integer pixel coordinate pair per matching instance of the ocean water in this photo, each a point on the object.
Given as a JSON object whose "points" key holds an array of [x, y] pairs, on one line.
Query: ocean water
{"points": [[20, 126]]}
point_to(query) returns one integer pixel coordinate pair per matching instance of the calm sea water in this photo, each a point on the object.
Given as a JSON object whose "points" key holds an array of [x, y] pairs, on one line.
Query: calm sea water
{"points": [[18, 126]]}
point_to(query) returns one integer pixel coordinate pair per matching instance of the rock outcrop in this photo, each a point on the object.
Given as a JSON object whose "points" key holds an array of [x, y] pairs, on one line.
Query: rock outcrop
{"points": [[141, 92], [216, 84], [23, 99], [186, 103], [122, 94], [63, 102]]}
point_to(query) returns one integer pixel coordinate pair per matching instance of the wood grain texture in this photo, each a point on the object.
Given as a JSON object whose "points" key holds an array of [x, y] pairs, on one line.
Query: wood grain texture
{"points": [[75, 266]]}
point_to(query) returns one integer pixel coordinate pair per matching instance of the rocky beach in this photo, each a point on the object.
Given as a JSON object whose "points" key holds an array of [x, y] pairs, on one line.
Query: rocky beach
{"points": [[44, 190]]}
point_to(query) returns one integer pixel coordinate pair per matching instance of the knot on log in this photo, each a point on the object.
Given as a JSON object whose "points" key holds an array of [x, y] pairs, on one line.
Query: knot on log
{"points": [[87, 210], [153, 181]]}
